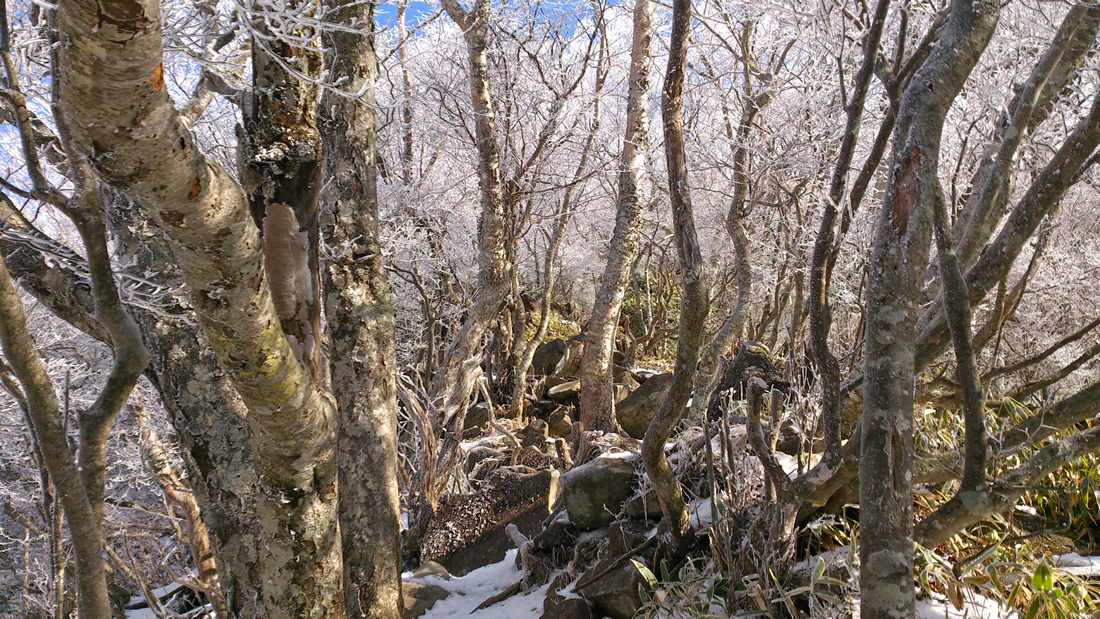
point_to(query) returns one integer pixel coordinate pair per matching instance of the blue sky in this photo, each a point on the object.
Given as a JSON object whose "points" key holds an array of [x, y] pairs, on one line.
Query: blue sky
{"points": [[385, 14]]}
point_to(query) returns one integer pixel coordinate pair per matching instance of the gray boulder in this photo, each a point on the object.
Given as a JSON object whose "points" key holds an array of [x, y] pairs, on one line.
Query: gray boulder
{"points": [[547, 356], [616, 594], [595, 492], [564, 391], [419, 598], [637, 409]]}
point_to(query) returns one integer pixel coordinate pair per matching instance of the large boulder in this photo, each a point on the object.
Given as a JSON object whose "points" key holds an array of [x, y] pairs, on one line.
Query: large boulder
{"points": [[419, 598], [616, 594], [752, 361], [468, 531], [566, 608], [561, 423], [547, 356], [595, 492], [564, 391], [637, 409], [570, 363]]}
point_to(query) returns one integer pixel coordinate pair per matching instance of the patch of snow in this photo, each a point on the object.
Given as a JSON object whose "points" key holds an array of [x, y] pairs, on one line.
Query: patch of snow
{"points": [[975, 606], [469, 591], [1077, 565], [568, 593], [620, 455], [1027, 509], [836, 555], [700, 513]]}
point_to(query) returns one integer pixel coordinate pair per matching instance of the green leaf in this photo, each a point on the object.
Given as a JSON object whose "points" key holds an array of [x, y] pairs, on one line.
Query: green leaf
{"points": [[954, 594], [1042, 579], [646, 573], [1034, 608], [819, 570]]}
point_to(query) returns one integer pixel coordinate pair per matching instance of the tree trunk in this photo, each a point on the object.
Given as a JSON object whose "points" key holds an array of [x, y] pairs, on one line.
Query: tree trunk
{"points": [[49, 433], [113, 96], [676, 530], [597, 402], [828, 368], [900, 255], [450, 388], [360, 326], [205, 409]]}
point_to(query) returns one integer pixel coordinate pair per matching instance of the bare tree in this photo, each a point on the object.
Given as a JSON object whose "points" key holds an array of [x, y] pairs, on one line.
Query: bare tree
{"points": [[676, 530], [597, 403]]}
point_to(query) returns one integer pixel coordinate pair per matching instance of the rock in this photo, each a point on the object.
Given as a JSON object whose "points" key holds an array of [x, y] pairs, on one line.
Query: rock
{"points": [[547, 356], [535, 434], [564, 391], [625, 535], [479, 453], [751, 362], [595, 492], [561, 423], [637, 409], [571, 362], [556, 534], [621, 392], [419, 598], [617, 593], [619, 373], [468, 531], [566, 608], [561, 602], [645, 507], [431, 568], [477, 417]]}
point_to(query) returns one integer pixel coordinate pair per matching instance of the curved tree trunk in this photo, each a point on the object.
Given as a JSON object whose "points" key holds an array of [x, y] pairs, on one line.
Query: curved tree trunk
{"points": [[113, 96], [44, 411], [676, 530], [209, 417], [451, 385], [828, 368]]}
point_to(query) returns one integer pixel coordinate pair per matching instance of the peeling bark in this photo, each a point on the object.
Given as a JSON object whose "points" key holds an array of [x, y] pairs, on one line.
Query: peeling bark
{"points": [[112, 96], [900, 256], [360, 326]]}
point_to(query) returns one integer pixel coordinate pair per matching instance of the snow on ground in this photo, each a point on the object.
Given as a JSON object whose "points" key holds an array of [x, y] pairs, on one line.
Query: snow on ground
{"points": [[469, 591], [699, 512], [975, 606], [1077, 565]]}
